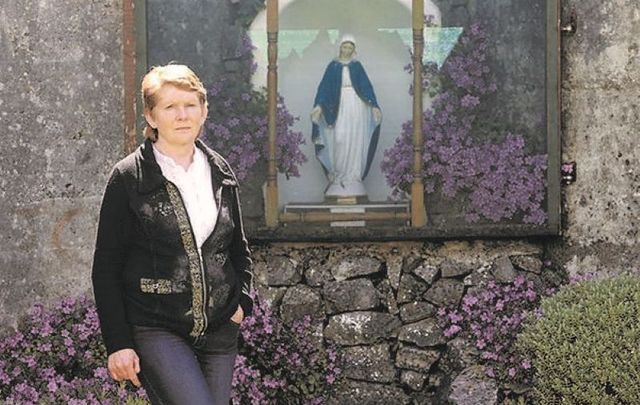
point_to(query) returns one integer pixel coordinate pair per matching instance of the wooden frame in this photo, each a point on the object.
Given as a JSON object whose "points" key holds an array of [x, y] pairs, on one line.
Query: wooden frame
{"points": [[135, 66], [554, 110], [271, 214], [418, 214], [134, 50]]}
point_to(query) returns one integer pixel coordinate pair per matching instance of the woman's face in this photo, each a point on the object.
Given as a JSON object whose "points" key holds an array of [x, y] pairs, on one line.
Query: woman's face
{"points": [[178, 115], [346, 50]]}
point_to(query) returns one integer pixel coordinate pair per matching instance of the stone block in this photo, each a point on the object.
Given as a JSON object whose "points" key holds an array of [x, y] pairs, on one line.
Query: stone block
{"points": [[424, 333], [317, 272], [463, 352], [369, 363], [479, 276], [358, 328], [350, 295], [527, 263], [445, 292], [355, 266], [277, 270], [410, 288], [272, 295], [394, 270], [416, 311], [412, 379], [300, 301], [387, 297], [473, 386], [503, 270], [365, 393], [415, 359], [451, 269], [427, 272]]}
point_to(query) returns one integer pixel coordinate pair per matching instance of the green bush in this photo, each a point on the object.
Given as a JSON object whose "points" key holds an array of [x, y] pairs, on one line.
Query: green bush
{"points": [[585, 346]]}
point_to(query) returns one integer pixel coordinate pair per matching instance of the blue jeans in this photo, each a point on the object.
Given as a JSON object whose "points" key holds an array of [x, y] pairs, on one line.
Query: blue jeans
{"points": [[173, 371]]}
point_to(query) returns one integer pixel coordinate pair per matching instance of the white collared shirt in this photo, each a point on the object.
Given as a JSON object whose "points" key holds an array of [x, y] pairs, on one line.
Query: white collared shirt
{"points": [[196, 191]]}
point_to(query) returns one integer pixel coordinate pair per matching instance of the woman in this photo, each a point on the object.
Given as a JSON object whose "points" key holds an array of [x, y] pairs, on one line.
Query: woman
{"points": [[347, 137], [171, 270]]}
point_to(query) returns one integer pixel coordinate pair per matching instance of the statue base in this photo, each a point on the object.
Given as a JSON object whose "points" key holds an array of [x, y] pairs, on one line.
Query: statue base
{"points": [[346, 189], [347, 200]]}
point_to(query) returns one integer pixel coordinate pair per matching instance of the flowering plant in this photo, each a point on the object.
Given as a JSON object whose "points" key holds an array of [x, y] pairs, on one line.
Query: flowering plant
{"points": [[237, 127], [498, 178], [57, 357], [282, 364], [492, 319]]}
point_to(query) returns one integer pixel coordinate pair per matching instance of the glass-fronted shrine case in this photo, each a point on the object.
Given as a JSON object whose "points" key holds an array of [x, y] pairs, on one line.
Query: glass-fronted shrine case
{"points": [[376, 119]]}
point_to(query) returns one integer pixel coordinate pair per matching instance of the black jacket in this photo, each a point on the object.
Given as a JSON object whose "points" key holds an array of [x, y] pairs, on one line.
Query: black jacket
{"points": [[147, 269]]}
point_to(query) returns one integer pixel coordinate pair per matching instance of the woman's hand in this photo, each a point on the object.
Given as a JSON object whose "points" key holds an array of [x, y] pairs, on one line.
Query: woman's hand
{"points": [[377, 115], [315, 114], [238, 316], [124, 365]]}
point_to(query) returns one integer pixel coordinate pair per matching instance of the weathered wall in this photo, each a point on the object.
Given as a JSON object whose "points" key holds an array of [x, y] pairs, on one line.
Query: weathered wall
{"points": [[61, 121], [601, 102]]}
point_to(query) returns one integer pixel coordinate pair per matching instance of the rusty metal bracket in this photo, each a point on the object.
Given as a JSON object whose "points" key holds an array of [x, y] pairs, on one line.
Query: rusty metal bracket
{"points": [[571, 26], [569, 171]]}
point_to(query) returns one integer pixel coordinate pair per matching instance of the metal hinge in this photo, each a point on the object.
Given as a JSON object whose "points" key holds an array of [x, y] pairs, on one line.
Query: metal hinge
{"points": [[571, 26]]}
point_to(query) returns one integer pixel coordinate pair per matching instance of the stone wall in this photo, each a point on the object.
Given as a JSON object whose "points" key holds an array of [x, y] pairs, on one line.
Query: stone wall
{"points": [[378, 304], [61, 120]]}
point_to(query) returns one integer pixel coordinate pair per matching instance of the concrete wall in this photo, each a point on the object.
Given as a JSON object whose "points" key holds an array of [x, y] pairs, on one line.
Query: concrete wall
{"points": [[601, 103], [61, 120]]}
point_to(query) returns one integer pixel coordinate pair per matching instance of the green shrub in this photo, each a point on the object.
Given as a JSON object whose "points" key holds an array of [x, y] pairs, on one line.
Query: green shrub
{"points": [[585, 347]]}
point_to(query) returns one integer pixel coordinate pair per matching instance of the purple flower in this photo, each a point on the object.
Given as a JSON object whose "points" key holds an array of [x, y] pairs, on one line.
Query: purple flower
{"points": [[497, 179], [452, 330], [276, 357], [60, 349], [470, 300], [531, 295], [492, 319], [241, 137], [52, 386], [454, 317], [469, 101]]}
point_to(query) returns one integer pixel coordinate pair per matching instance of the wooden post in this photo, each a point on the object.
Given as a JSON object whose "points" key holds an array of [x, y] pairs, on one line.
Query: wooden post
{"points": [[271, 206], [418, 213]]}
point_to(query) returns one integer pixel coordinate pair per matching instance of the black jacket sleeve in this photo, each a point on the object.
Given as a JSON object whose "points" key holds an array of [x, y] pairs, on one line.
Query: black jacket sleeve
{"points": [[108, 264], [241, 256]]}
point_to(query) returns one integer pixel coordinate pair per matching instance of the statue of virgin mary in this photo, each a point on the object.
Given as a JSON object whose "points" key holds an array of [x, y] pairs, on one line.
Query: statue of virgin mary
{"points": [[346, 123]]}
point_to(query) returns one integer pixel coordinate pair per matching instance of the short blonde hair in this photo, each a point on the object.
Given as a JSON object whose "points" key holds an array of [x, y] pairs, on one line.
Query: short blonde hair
{"points": [[179, 76]]}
